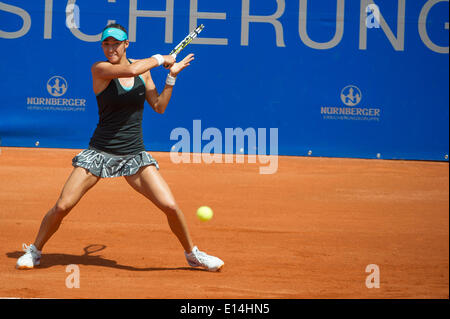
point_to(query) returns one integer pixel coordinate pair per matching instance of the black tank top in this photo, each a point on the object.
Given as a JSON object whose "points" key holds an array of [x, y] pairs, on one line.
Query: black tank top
{"points": [[120, 110]]}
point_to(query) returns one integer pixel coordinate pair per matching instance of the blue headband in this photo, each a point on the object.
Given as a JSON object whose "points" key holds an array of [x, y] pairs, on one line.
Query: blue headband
{"points": [[115, 33]]}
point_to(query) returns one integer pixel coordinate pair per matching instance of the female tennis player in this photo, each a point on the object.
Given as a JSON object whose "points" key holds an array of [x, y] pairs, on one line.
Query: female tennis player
{"points": [[116, 148]]}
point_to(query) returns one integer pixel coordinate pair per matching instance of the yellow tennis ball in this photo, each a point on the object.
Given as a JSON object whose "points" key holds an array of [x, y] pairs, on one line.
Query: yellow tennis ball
{"points": [[204, 213]]}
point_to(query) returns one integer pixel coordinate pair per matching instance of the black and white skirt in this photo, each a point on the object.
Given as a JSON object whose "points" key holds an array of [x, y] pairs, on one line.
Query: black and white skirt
{"points": [[104, 165]]}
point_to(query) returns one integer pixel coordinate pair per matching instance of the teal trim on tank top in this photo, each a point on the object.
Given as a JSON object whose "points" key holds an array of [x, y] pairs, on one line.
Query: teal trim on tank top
{"points": [[142, 79], [127, 88]]}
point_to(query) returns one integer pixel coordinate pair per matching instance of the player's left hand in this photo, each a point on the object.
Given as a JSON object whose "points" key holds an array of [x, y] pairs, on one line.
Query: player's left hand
{"points": [[180, 66]]}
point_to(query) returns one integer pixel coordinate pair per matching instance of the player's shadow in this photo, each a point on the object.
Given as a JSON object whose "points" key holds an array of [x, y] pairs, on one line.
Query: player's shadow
{"points": [[50, 260]]}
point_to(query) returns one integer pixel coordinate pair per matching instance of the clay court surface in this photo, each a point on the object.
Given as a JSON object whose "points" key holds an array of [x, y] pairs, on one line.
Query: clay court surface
{"points": [[308, 231]]}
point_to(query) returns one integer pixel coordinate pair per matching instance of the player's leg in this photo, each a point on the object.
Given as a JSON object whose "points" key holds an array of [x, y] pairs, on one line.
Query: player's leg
{"points": [[149, 182], [78, 183]]}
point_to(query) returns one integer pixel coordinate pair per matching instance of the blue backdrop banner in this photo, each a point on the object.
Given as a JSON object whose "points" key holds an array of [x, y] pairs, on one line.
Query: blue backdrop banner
{"points": [[338, 78]]}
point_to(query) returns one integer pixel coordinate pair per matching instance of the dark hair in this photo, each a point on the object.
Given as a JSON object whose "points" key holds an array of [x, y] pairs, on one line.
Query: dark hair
{"points": [[117, 26]]}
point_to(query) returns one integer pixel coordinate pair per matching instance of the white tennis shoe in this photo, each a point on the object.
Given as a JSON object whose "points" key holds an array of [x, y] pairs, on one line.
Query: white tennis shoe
{"points": [[31, 258], [198, 258]]}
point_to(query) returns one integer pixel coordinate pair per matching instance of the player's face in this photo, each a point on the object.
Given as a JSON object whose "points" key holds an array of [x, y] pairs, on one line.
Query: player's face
{"points": [[114, 49]]}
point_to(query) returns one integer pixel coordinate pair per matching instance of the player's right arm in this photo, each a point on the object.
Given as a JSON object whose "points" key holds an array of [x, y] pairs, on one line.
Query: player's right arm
{"points": [[106, 70]]}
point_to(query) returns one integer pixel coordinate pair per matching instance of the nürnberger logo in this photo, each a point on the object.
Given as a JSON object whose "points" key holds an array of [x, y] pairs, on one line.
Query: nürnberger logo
{"points": [[351, 95], [57, 86]]}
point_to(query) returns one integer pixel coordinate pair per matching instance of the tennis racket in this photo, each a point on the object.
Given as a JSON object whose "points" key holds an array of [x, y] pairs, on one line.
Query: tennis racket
{"points": [[186, 41]]}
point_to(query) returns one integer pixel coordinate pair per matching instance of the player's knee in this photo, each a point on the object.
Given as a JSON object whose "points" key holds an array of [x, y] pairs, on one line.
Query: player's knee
{"points": [[62, 208], [171, 208]]}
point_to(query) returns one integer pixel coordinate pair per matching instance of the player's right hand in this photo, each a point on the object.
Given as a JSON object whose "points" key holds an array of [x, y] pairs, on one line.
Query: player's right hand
{"points": [[168, 61]]}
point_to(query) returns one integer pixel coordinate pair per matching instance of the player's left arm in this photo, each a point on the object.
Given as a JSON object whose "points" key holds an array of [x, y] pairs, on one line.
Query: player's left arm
{"points": [[158, 101]]}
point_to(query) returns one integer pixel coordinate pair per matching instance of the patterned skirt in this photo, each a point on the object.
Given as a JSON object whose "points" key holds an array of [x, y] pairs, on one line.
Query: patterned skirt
{"points": [[105, 165]]}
